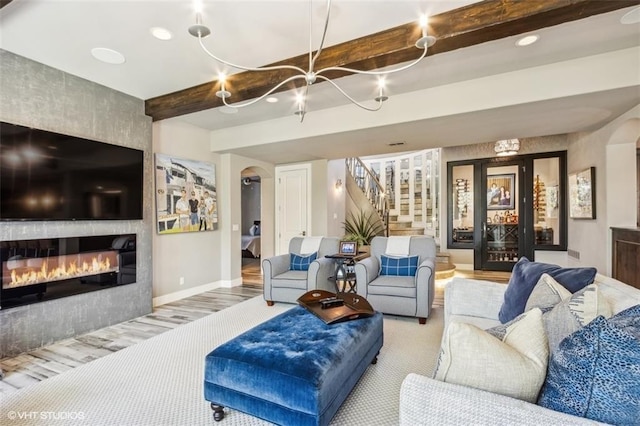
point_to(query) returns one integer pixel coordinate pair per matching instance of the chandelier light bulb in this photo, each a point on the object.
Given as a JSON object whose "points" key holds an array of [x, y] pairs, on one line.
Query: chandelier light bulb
{"points": [[381, 97], [426, 40], [223, 93], [197, 6], [424, 21]]}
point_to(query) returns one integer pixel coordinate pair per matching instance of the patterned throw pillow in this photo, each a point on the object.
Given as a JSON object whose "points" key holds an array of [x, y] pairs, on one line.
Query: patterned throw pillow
{"points": [[514, 366], [565, 313], [525, 276], [301, 263], [398, 266], [595, 373]]}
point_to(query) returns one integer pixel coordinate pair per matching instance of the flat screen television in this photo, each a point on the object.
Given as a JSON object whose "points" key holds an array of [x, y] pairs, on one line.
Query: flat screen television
{"points": [[50, 176]]}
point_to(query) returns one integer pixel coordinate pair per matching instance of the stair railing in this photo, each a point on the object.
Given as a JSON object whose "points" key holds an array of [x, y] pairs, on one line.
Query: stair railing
{"points": [[370, 186]]}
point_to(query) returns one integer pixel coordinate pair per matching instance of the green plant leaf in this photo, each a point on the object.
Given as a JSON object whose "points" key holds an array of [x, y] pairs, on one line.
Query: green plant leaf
{"points": [[362, 227]]}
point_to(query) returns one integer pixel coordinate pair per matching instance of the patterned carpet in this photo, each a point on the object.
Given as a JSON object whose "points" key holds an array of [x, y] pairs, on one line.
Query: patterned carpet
{"points": [[159, 381]]}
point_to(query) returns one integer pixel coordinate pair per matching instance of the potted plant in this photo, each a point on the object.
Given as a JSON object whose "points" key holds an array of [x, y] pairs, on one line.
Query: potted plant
{"points": [[362, 227]]}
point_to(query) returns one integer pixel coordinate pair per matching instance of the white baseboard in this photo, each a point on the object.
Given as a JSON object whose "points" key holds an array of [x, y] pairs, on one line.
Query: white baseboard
{"points": [[231, 283], [172, 297]]}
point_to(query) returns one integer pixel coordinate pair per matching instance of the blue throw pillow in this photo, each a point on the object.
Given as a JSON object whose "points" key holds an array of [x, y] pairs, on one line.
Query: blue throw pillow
{"points": [[399, 266], [595, 372], [301, 263], [525, 276]]}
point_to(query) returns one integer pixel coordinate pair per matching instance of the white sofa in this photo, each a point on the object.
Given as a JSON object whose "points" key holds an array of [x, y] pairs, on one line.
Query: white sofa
{"points": [[425, 401]]}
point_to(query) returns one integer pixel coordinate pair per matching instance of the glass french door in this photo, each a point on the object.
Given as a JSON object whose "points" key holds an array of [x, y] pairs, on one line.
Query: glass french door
{"points": [[502, 203]]}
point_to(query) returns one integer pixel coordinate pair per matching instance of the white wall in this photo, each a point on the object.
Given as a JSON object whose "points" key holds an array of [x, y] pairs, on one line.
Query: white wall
{"points": [[336, 169], [319, 197], [208, 259], [612, 151], [195, 256]]}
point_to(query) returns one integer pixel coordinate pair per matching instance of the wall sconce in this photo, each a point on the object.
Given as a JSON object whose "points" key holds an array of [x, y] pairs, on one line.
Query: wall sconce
{"points": [[339, 185]]}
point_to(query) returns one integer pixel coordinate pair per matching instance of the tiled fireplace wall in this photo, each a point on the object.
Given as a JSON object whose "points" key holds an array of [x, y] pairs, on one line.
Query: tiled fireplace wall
{"points": [[43, 97]]}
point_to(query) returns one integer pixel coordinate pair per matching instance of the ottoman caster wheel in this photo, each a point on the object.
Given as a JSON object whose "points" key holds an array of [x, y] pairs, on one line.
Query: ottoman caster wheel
{"points": [[218, 412]]}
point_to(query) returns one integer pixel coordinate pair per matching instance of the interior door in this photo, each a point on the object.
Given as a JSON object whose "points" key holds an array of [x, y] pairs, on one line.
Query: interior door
{"points": [[292, 204], [502, 221]]}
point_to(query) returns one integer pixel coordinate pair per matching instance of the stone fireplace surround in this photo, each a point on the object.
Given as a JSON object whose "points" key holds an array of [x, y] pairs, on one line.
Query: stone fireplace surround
{"points": [[43, 97]]}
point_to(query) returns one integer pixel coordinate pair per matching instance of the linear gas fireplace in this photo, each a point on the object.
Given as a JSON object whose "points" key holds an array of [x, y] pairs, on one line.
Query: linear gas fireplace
{"points": [[47, 269]]}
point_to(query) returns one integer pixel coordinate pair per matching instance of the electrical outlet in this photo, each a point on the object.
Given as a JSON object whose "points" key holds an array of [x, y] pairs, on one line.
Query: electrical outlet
{"points": [[181, 280]]}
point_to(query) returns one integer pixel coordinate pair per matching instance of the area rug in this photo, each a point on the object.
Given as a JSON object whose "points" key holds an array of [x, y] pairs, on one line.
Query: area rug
{"points": [[160, 381]]}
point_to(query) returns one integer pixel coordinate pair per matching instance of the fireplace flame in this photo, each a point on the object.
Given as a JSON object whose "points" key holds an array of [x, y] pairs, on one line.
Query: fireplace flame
{"points": [[66, 269]]}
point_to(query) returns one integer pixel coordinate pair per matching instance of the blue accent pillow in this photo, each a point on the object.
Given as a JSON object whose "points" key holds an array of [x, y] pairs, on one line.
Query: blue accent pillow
{"points": [[525, 276], [595, 372], [301, 263], [399, 266]]}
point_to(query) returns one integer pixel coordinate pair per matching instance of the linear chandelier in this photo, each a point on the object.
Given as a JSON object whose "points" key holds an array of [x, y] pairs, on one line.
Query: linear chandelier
{"points": [[310, 75]]}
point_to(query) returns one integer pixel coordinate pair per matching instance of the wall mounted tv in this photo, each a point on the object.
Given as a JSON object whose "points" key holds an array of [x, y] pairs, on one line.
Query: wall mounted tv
{"points": [[50, 176]]}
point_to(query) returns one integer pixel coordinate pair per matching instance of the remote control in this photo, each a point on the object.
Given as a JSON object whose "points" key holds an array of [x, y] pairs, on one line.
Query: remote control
{"points": [[331, 302]]}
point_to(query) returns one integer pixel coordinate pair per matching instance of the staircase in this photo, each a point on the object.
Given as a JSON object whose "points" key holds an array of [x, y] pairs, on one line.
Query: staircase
{"points": [[399, 226], [369, 185], [400, 202]]}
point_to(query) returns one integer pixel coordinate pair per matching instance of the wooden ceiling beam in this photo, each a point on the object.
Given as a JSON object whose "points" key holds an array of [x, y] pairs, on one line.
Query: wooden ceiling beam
{"points": [[467, 26]]}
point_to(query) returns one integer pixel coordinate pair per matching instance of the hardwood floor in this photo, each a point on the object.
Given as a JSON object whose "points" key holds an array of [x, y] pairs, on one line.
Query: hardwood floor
{"points": [[252, 272], [37, 365], [40, 364]]}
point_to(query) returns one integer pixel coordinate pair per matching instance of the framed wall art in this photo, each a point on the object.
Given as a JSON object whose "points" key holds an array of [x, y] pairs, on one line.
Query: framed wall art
{"points": [[186, 195], [501, 192], [582, 194]]}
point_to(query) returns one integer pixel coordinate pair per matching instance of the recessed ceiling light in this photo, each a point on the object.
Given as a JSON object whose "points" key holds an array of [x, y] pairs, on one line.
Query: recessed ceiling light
{"points": [[631, 17], [272, 99], [108, 56], [527, 40], [161, 33]]}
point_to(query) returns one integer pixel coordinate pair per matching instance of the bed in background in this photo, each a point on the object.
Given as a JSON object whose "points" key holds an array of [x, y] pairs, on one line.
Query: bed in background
{"points": [[250, 245]]}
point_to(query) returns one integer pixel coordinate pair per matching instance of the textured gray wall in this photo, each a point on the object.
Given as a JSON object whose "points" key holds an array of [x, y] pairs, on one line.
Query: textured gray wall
{"points": [[39, 96]]}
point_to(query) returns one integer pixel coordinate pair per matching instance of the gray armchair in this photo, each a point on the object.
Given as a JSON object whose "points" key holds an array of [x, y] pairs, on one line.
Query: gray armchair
{"points": [[407, 296], [284, 285]]}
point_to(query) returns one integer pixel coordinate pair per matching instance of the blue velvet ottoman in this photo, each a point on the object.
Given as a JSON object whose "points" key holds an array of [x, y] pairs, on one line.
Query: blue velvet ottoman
{"points": [[293, 369]]}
